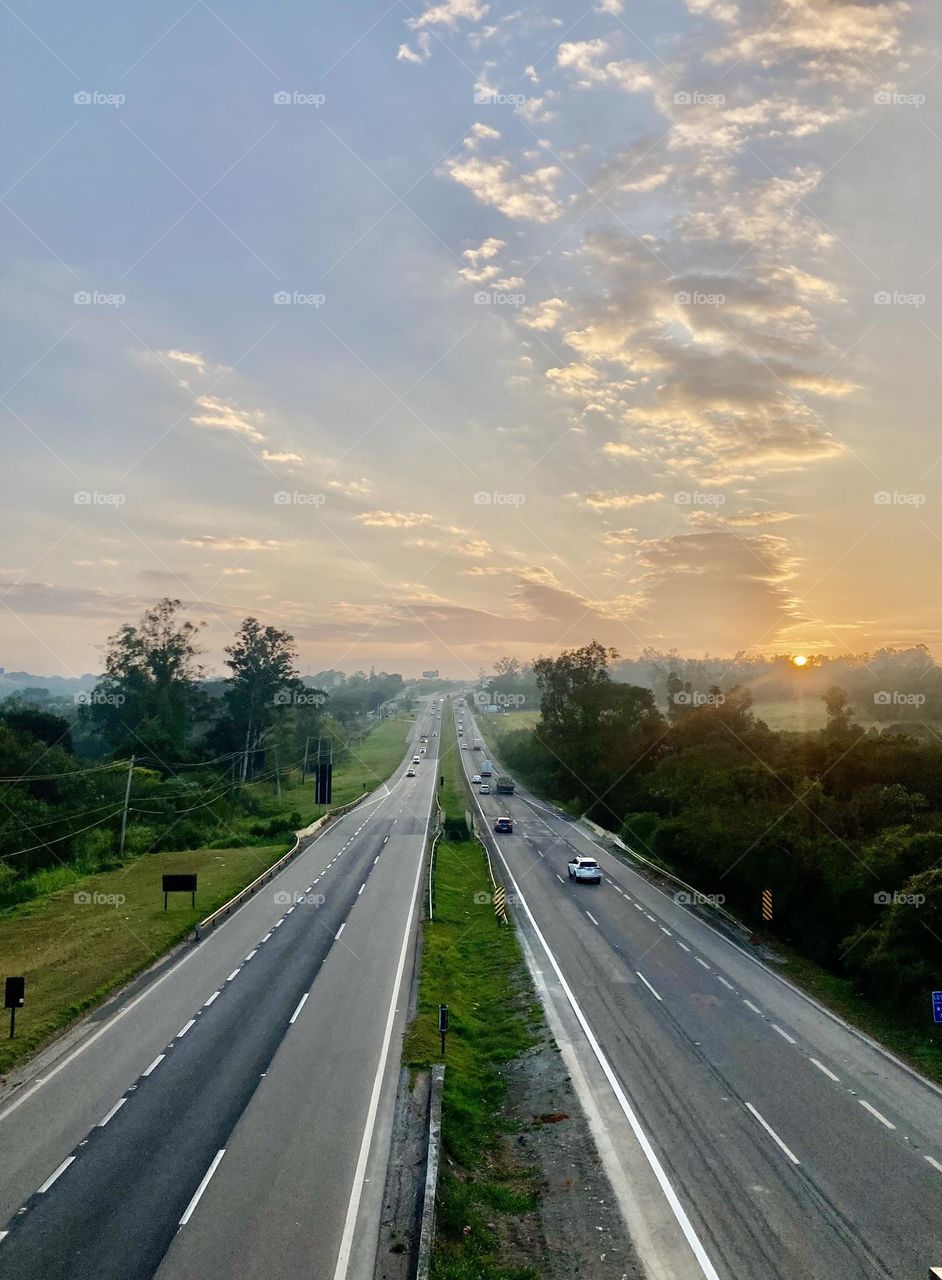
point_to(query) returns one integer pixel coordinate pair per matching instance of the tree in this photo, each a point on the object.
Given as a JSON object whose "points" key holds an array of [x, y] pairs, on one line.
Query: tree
{"points": [[148, 697], [264, 681]]}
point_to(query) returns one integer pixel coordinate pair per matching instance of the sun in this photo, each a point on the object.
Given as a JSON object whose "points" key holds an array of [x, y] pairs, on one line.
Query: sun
{"points": [[799, 660]]}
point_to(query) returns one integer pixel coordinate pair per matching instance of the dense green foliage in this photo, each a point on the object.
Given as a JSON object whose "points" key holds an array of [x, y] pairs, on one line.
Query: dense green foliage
{"points": [[843, 825]]}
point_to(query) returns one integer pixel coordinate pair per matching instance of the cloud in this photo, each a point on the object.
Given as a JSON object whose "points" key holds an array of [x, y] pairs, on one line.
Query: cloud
{"points": [[449, 14], [619, 501], [210, 542], [289, 459], [191, 358], [492, 180], [222, 415], [393, 519], [543, 316]]}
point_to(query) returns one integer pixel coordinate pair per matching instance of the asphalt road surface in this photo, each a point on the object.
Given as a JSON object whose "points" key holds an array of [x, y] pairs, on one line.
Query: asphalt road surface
{"points": [[231, 1117], [748, 1132]]}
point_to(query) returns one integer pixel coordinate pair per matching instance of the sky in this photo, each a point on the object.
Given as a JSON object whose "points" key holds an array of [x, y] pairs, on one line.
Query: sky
{"points": [[437, 333]]}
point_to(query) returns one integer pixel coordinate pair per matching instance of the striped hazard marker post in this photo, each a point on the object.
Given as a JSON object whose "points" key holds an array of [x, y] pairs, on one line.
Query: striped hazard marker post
{"points": [[766, 904], [500, 903]]}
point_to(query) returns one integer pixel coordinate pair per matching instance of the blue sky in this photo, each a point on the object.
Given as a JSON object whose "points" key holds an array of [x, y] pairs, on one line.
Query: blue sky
{"points": [[698, 398]]}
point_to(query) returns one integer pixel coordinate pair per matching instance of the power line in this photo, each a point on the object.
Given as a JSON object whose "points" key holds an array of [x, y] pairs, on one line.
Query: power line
{"points": [[58, 840]]}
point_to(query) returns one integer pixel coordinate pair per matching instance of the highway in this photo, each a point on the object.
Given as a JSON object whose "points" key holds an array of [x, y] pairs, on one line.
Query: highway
{"points": [[231, 1116], [747, 1132]]}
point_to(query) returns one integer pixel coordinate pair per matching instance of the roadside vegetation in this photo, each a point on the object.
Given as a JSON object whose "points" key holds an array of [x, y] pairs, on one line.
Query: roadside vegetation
{"points": [[843, 824], [474, 965]]}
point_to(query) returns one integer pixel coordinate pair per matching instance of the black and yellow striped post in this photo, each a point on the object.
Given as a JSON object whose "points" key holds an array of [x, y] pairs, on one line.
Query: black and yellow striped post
{"points": [[500, 902], [766, 904]]}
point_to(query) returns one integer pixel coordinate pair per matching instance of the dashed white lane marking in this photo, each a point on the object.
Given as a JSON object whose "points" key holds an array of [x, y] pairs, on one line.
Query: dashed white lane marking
{"points": [[375, 860], [3, 1236], [593, 919], [648, 985], [253, 951], [667, 931], [301, 1002], [651, 918], [183, 1030], [360, 890], [113, 1112], [876, 1114], [290, 909], [728, 985], [683, 945], [773, 1135], [271, 931], [638, 907], [821, 1067], [279, 923], [559, 878], [202, 1187], [935, 1164], [155, 1064], [783, 1034], [213, 997], [57, 1174], [750, 1005], [340, 930], [703, 962]]}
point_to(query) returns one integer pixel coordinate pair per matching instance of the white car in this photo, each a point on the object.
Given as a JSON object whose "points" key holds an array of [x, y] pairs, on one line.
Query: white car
{"points": [[585, 869], [485, 789], [476, 778], [410, 773], [416, 760]]}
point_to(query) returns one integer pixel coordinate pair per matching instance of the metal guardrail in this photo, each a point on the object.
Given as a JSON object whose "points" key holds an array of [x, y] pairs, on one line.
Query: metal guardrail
{"points": [[431, 858], [427, 1231], [227, 908]]}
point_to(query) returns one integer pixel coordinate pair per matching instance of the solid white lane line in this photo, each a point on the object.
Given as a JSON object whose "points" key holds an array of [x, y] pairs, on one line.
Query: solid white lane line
{"points": [[648, 985], [113, 1112], [183, 1030], [202, 1187], [783, 1034], [703, 962], [301, 1002], [57, 1174], [340, 930], [683, 945], [360, 890], [874, 1112], [234, 974], [213, 997], [155, 1064], [821, 1067], [750, 1005], [935, 1164], [729, 985], [772, 1134], [252, 952]]}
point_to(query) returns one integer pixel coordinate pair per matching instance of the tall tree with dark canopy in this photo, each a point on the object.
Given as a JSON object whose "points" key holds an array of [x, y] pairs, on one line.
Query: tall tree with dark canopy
{"points": [[263, 681]]}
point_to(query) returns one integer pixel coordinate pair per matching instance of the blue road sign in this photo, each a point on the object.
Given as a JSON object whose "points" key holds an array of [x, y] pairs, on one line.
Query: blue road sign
{"points": [[937, 1006]]}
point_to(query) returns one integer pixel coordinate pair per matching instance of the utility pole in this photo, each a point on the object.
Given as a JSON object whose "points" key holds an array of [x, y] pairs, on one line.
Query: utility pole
{"points": [[277, 773], [127, 797], [307, 743]]}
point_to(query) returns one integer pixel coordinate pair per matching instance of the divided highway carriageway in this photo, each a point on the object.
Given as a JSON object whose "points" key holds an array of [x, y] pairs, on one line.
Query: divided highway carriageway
{"points": [[231, 1116]]}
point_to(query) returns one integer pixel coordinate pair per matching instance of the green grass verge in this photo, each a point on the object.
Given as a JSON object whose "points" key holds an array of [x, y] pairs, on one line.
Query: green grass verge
{"points": [[474, 965], [74, 953]]}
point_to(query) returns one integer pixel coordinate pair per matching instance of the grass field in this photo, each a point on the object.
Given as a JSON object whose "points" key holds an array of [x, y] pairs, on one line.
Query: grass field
{"points": [[74, 948], [474, 965]]}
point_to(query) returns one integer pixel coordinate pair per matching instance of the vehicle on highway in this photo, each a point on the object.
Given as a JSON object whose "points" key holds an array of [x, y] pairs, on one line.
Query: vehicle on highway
{"points": [[487, 769], [585, 869], [465, 747], [410, 773], [505, 824], [477, 744], [485, 789], [505, 785], [476, 778], [416, 760]]}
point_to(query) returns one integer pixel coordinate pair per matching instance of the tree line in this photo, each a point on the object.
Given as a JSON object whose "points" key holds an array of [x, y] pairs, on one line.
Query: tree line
{"points": [[843, 824]]}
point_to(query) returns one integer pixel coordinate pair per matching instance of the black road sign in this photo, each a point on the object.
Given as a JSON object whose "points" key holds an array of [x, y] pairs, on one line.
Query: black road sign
{"points": [[14, 995], [180, 883]]}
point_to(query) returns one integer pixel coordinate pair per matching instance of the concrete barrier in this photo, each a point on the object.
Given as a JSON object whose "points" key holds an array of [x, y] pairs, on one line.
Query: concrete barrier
{"points": [[427, 1232]]}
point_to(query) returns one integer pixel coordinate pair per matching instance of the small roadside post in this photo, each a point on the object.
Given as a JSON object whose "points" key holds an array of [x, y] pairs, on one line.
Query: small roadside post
{"points": [[182, 883], [14, 995], [443, 1024]]}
